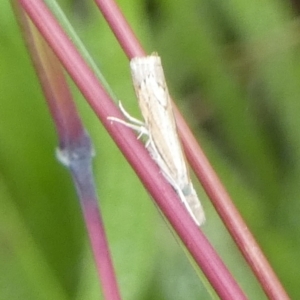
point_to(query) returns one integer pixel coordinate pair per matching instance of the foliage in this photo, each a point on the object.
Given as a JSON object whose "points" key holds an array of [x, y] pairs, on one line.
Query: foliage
{"points": [[233, 67]]}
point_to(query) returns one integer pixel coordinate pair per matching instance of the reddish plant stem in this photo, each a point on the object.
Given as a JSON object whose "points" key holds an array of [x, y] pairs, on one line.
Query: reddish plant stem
{"points": [[134, 151], [74, 147], [101, 251], [79, 160], [203, 169]]}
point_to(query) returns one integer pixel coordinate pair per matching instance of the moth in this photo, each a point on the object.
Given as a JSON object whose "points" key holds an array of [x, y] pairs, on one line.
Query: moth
{"points": [[163, 142]]}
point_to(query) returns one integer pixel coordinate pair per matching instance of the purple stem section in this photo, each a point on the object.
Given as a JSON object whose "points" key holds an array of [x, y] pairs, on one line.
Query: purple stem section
{"points": [[78, 158], [135, 152]]}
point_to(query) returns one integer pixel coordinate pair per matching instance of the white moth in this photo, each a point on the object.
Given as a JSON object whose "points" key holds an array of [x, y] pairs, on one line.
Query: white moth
{"points": [[160, 127]]}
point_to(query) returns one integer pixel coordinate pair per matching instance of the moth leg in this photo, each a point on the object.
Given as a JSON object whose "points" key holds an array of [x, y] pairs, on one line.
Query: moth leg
{"points": [[140, 129], [129, 117], [133, 123]]}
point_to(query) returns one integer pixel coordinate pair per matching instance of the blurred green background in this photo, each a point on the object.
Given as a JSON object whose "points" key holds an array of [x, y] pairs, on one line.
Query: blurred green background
{"points": [[234, 69]]}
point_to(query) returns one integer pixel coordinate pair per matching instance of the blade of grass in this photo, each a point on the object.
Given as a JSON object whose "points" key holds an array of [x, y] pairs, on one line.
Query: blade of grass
{"points": [[40, 278], [60, 16]]}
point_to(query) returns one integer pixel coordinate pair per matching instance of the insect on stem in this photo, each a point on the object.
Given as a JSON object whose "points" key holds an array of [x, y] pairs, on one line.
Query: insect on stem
{"points": [[160, 127]]}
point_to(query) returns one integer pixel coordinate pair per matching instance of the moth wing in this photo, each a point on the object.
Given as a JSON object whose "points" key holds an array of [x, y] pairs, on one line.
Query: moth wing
{"points": [[156, 107]]}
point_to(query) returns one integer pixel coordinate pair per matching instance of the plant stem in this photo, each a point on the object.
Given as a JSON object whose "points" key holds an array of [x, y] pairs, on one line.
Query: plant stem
{"points": [[75, 148], [135, 152], [203, 169]]}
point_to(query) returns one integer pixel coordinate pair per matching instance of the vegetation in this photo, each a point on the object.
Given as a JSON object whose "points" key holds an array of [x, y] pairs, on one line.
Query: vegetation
{"points": [[233, 69]]}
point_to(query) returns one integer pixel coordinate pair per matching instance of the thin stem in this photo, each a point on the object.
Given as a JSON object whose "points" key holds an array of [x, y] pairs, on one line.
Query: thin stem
{"points": [[203, 169], [134, 151], [78, 158], [75, 148]]}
